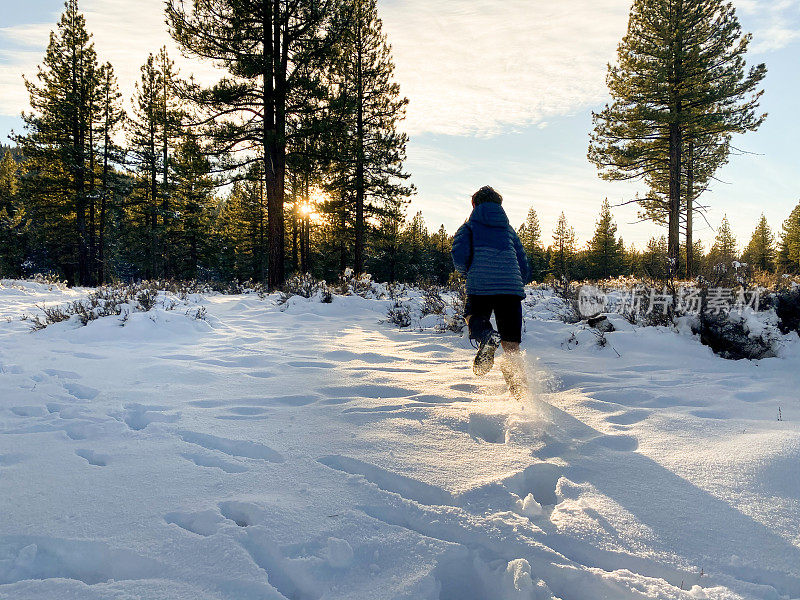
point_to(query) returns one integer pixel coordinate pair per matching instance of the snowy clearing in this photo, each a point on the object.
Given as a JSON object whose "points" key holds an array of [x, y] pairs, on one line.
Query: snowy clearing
{"points": [[309, 451]]}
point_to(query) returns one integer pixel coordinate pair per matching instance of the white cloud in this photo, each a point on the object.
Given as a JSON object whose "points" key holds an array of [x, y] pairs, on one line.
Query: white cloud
{"points": [[124, 33], [485, 66], [775, 24], [476, 67]]}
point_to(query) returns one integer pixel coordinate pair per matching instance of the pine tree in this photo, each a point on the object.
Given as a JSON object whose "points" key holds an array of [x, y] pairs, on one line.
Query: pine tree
{"points": [[442, 261], [417, 263], [389, 253], [633, 262], [562, 259], [241, 229], [369, 109], [111, 116], [12, 219], [193, 202], [153, 134], [723, 252], [702, 156], [654, 259], [680, 77], [58, 146], [9, 183], [760, 252], [272, 52], [606, 253], [170, 122], [144, 137], [789, 251], [530, 234]]}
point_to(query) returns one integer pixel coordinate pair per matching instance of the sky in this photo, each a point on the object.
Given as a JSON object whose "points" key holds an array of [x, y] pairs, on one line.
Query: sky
{"points": [[501, 93]]}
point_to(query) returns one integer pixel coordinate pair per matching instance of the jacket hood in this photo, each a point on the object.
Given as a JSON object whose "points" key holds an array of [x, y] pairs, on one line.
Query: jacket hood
{"points": [[490, 214]]}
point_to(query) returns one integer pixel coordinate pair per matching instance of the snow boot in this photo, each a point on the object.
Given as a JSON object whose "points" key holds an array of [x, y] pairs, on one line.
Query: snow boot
{"points": [[484, 359], [513, 369]]}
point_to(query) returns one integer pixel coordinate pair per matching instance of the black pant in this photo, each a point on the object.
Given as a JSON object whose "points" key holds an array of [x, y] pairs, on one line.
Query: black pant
{"points": [[507, 310]]}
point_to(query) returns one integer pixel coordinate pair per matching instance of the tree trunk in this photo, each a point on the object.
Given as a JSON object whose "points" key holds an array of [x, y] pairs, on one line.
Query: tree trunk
{"points": [[78, 140], [262, 262], [690, 210], [274, 98], [165, 165], [343, 231], [295, 263], [92, 208], [101, 264], [675, 147], [153, 208], [358, 265]]}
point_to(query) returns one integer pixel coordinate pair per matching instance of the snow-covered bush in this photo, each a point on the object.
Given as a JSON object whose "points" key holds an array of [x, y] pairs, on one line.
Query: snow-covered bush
{"points": [[49, 279], [738, 336], [432, 303], [568, 293], [352, 284], [786, 304], [305, 286], [431, 309], [399, 314], [111, 300]]}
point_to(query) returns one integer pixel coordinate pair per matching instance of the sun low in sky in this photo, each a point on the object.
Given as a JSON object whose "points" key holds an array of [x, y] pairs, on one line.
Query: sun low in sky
{"points": [[501, 93]]}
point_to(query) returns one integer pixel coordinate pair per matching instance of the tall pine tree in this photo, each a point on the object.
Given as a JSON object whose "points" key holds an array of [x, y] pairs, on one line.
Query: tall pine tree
{"points": [[58, 146], [111, 117], [271, 51], [12, 219], [375, 149], [680, 77]]}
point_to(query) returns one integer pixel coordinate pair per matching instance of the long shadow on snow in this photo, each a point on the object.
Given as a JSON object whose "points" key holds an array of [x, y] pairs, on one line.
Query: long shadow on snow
{"points": [[686, 519]]}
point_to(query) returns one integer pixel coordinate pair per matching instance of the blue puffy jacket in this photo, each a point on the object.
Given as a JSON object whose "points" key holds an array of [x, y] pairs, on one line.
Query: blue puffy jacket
{"points": [[487, 250]]}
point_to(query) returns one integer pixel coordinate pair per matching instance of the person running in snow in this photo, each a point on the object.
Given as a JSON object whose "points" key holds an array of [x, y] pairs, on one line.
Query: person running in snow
{"points": [[487, 250]]}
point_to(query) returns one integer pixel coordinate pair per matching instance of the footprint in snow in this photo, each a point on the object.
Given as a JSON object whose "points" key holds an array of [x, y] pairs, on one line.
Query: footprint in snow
{"points": [[203, 523], [629, 417], [214, 462], [29, 411], [62, 374], [244, 514], [539, 480], [139, 416], [490, 428], [93, 458], [242, 448], [82, 392]]}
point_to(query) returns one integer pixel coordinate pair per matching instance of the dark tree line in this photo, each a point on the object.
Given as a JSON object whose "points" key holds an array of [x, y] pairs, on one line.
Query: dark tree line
{"points": [[199, 181]]}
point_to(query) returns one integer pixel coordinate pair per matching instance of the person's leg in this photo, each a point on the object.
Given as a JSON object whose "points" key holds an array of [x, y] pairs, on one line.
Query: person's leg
{"points": [[477, 313], [479, 310], [508, 313]]}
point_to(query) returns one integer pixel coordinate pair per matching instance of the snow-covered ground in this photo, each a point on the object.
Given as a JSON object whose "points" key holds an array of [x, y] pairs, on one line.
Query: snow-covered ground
{"points": [[308, 451]]}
